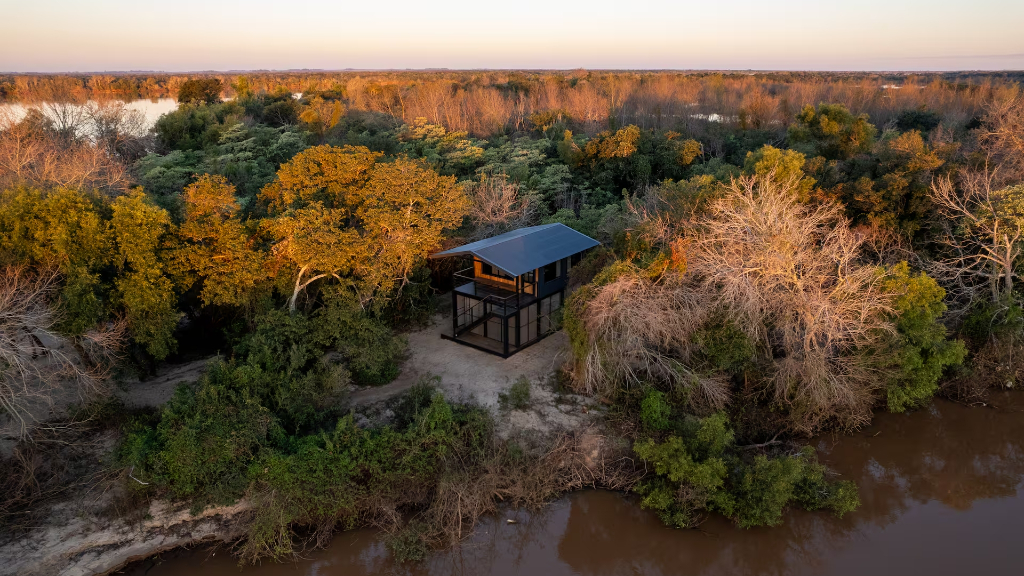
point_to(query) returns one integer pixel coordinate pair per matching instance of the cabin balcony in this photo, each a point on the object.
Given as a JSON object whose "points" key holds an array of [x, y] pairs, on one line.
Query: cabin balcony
{"points": [[505, 296]]}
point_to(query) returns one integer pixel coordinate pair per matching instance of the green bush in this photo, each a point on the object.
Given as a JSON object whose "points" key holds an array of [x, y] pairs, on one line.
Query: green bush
{"points": [[723, 346], [921, 351], [655, 410], [205, 439], [988, 320], [337, 477], [408, 544], [702, 470], [371, 349], [518, 395], [216, 441]]}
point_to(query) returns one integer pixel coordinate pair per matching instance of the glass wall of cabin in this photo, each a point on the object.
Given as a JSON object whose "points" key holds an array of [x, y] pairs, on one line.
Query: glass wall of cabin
{"points": [[516, 322]]}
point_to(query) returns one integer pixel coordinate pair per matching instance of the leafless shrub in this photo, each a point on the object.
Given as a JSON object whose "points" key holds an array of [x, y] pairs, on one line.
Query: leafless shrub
{"points": [[788, 275], [500, 206], [62, 104], [1002, 133], [886, 246], [640, 330], [982, 237], [461, 500], [43, 158], [64, 462], [785, 273], [37, 365], [118, 129]]}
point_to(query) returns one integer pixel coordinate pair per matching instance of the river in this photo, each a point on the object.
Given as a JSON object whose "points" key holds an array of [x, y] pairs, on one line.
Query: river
{"points": [[151, 109], [940, 490]]}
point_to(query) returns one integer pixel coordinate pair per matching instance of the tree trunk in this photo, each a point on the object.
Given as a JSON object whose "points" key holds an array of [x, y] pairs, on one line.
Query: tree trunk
{"points": [[295, 292]]}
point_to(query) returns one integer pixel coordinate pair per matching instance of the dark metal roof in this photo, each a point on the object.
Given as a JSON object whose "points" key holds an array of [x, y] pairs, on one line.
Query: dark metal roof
{"points": [[525, 249]]}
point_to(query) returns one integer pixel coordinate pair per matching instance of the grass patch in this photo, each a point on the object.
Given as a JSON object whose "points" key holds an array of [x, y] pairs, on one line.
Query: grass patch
{"points": [[517, 397]]}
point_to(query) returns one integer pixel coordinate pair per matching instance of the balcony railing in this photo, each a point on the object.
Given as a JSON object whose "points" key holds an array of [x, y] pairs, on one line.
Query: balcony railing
{"points": [[497, 293]]}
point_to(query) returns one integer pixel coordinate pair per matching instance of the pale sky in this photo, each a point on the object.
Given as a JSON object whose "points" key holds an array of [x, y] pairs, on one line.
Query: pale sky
{"points": [[188, 35]]}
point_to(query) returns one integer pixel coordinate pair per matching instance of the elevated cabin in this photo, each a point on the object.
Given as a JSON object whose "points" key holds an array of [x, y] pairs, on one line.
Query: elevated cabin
{"points": [[504, 300]]}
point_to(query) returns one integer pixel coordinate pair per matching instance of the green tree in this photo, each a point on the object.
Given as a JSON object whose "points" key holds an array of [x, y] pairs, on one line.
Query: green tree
{"points": [[830, 130], [200, 91], [338, 212], [191, 126], [921, 351], [898, 198], [320, 116], [218, 247], [138, 230], [781, 166], [62, 229]]}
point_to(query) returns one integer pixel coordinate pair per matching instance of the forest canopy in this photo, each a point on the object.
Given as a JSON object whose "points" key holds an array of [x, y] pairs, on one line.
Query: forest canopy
{"points": [[783, 254]]}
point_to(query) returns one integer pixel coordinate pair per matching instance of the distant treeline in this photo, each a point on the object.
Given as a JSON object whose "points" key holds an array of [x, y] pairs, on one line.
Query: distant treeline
{"points": [[488, 103]]}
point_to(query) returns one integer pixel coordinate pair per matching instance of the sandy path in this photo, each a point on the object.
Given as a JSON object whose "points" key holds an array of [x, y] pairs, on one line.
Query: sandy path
{"points": [[467, 373]]}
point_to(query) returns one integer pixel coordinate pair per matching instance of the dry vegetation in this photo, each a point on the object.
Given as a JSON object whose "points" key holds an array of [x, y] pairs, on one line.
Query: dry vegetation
{"points": [[71, 146], [512, 480], [498, 205], [733, 284], [489, 102], [39, 366], [784, 273]]}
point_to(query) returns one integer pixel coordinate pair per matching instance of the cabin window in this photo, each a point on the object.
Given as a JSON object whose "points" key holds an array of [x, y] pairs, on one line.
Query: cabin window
{"points": [[488, 270], [528, 277], [552, 271]]}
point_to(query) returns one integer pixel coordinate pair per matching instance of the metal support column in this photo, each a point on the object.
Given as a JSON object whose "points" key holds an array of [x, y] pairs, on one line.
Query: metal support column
{"points": [[504, 334], [455, 313]]}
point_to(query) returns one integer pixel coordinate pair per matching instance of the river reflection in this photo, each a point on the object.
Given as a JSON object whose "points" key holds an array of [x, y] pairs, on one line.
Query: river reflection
{"points": [[940, 491], [151, 109]]}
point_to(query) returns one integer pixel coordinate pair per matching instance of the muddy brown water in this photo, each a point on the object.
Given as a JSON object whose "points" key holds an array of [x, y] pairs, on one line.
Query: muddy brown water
{"points": [[940, 489]]}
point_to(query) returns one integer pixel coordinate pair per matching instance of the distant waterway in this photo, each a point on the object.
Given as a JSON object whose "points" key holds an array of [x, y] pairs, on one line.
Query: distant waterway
{"points": [[152, 109], [940, 489]]}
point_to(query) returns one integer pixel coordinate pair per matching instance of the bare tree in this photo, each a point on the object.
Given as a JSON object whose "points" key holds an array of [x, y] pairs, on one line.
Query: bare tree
{"points": [[784, 273], [117, 129], [498, 205], [982, 237], [788, 276], [1002, 134], [37, 365], [63, 104], [40, 158]]}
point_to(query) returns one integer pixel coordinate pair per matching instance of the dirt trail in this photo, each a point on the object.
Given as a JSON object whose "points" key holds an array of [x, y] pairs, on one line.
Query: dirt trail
{"points": [[159, 389]]}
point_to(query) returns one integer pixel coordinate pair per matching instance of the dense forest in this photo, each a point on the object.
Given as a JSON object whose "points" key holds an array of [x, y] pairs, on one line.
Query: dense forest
{"points": [[783, 254]]}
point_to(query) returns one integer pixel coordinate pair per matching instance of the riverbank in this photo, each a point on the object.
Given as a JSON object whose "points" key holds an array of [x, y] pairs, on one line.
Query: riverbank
{"points": [[941, 493], [81, 535], [77, 541]]}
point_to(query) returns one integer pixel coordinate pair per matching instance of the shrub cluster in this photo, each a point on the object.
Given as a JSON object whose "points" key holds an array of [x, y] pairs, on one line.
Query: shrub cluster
{"points": [[698, 468]]}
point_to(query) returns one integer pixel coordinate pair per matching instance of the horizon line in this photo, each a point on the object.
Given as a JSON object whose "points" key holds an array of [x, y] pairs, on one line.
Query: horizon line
{"points": [[524, 69]]}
